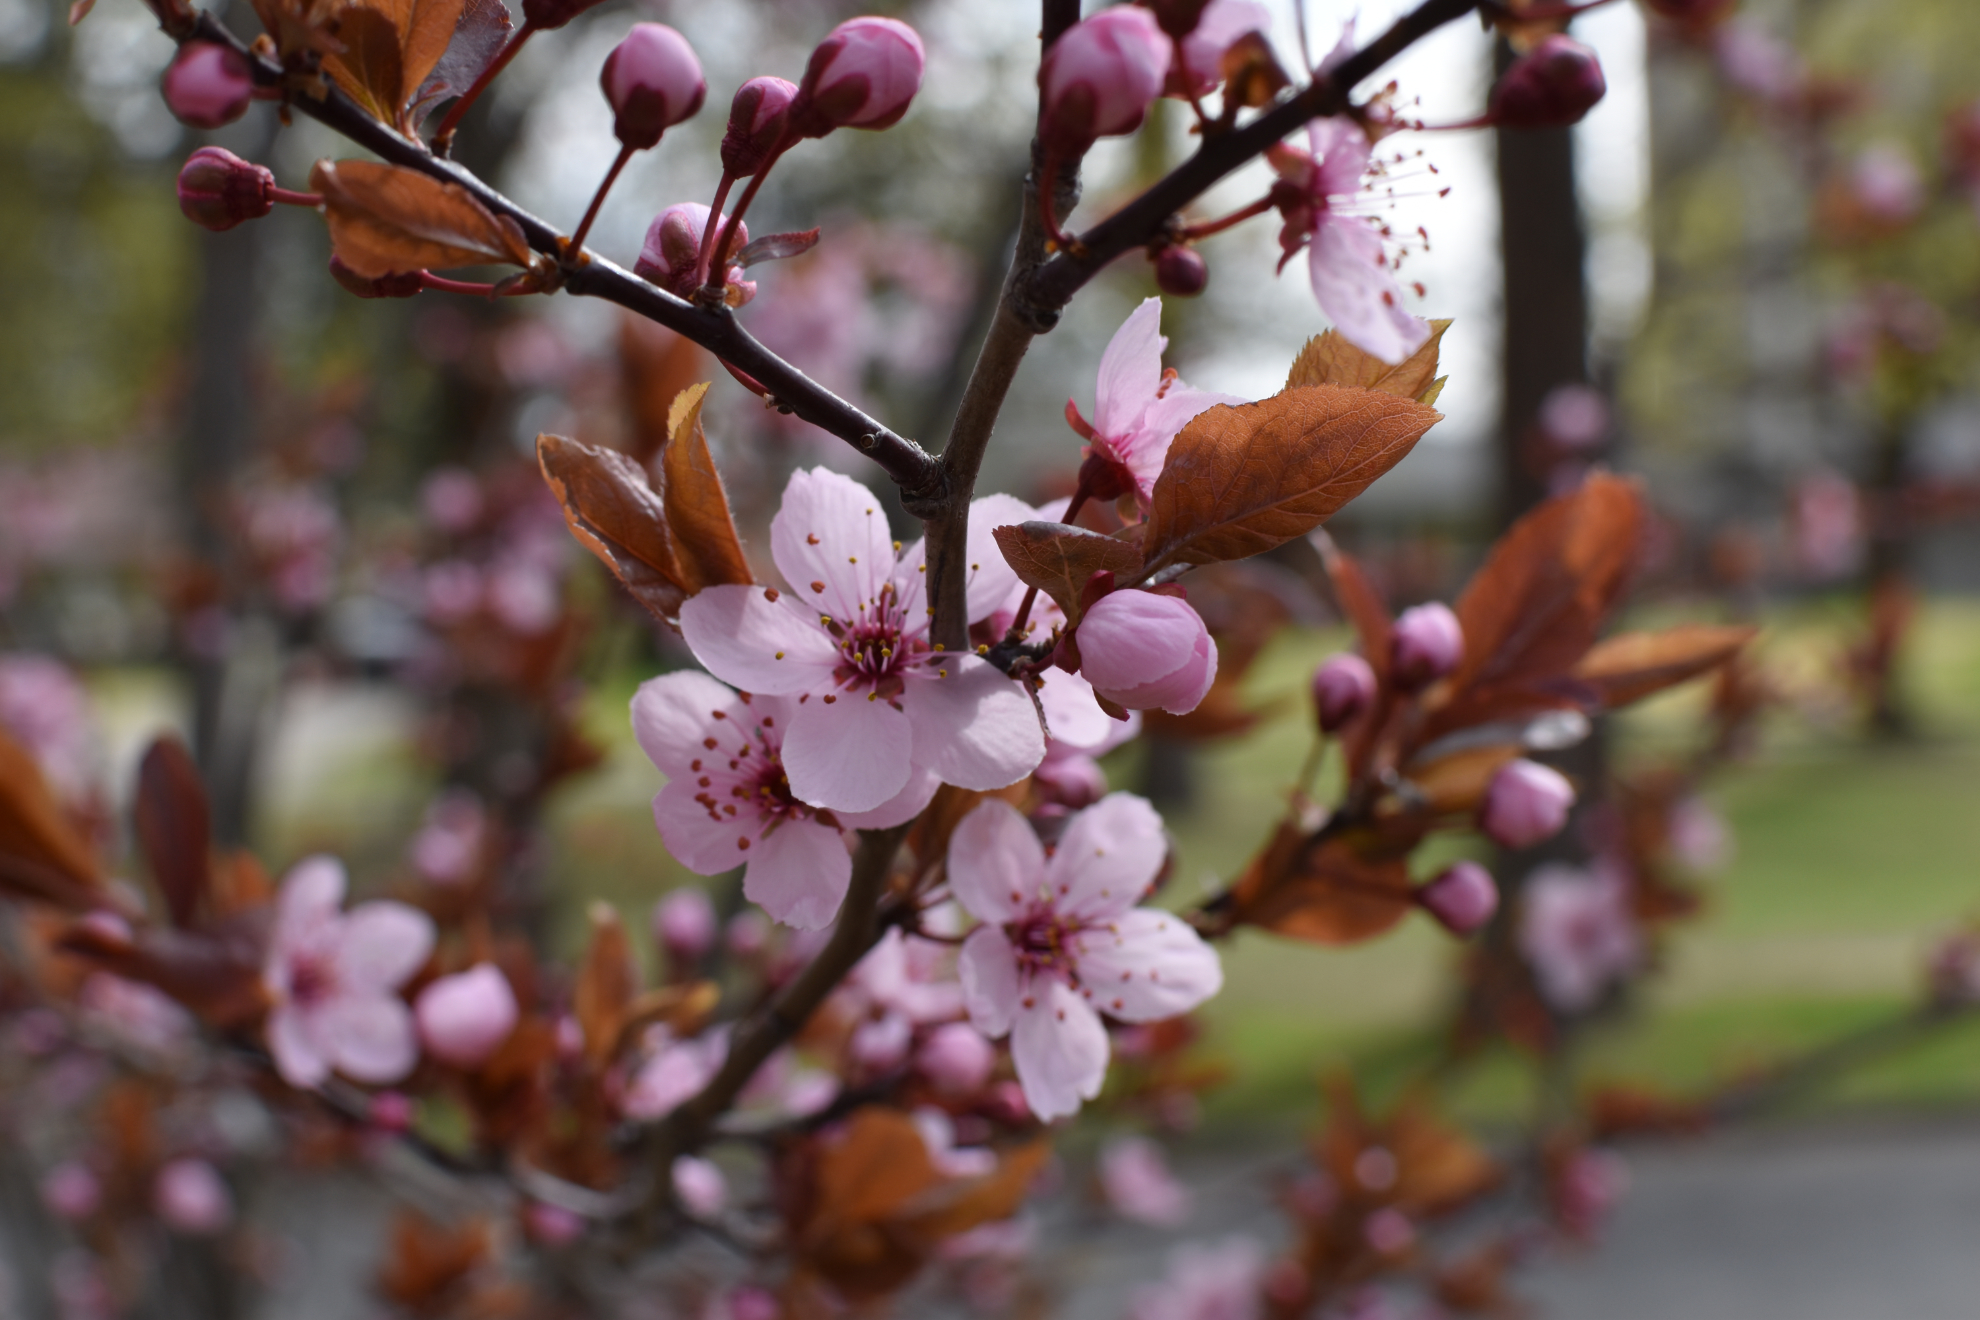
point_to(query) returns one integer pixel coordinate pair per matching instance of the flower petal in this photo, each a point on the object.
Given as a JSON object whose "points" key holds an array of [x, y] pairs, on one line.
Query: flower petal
{"points": [[1072, 716], [1358, 293], [976, 727], [1130, 369], [995, 862], [758, 644], [1342, 149], [297, 1058], [1178, 693], [671, 715], [1156, 429], [899, 809], [988, 969], [371, 1037], [703, 839], [798, 873], [1060, 1049], [311, 894], [831, 542], [848, 753], [1107, 858], [1146, 965], [381, 944], [991, 578]]}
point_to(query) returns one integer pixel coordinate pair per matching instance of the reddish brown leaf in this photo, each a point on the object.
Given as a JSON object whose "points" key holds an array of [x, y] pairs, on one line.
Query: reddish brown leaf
{"points": [[388, 220], [1329, 359], [427, 1260], [697, 509], [1457, 782], [370, 67], [606, 984], [42, 856], [655, 365], [428, 28], [215, 971], [614, 513], [1326, 893], [173, 826], [876, 1167], [1241, 480], [1631, 666], [479, 35], [968, 1203], [1058, 559]]}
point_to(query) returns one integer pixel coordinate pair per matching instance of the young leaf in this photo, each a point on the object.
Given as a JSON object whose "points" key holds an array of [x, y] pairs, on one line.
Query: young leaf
{"points": [[370, 67], [1329, 894], [1631, 666], [1058, 559], [387, 220], [777, 247], [42, 856], [1329, 359], [173, 826], [606, 984], [429, 28], [655, 365], [1359, 601], [1241, 480], [479, 35], [697, 509], [614, 513]]}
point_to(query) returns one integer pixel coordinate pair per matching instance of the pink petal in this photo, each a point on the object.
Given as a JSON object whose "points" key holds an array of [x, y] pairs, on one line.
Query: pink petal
{"points": [[1060, 1050], [311, 894], [990, 577], [704, 842], [1358, 293], [798, 873], [755, 643], [1107, 858], [1130, 369], [1156, 429], [996, 863], [845, 752], [1147, 965], [831, 530], [671, 715], [381, 944], [988, 969], [899, 809], [976, 728], [1343, 150], [1072, 716], [296, 1055], [1131, 638], [1178, 693], [371, 1038]]}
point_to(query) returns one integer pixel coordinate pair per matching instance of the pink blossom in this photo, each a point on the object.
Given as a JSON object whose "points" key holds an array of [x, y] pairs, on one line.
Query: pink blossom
{"points": [[1574, 417], [1343, 687], [671, 255], [447, 850], [333, 978], [1426, 644], [729, 799], [1827, 523], [1144, 651], [1062, 941], [1137, 1182], [876, 704], [1352, 280], [192, 1198], [1698, 836], [139, 1015], [1389, 1231], [71, 1191], [674, 1072], [1462, 897], [938, 1134], [1100, 77], [684, 925], [552, 1225], [1526, 803], [218, 190], [464, 1018], [1551, 86], [46, 710], [1138, 408], [1222, 24], [208, 85], [1885, 182], [1578, 933], [1756, 62], [1222, 1282], [653, 82], [450, 498], [702, 1189], [756, 120], [863, 75], [1586, 1189], [956, 1059]]}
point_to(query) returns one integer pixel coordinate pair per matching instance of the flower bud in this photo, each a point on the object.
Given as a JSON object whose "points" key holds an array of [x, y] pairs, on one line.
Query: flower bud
{"points": [[1343, 687], [1100, 77], [1427, 644], [684, 925], [1551, 86], [1462, 897], [701, 1187], [956, 1059], [464, 1018], [390, 1111], [1181, 271], [70, 1191], [673, 245], [1070, 778], [403, 285], [756, 120], [861, 76], [1527, 803], [208, 85], [190, 1196], [653, 81], [218, 190], [1142, 651], [552, 1225]]}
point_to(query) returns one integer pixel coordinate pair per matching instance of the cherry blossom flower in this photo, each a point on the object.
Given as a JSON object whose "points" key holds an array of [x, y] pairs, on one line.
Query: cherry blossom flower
{"points": [[1222, 1282], [1351, 277], [1145, 650], [675, 1070], [703, 1189], [1578, 933], [47, 710], [728, 798], [876, 702], [463, 1019], [1222, 24], [1138, 408], [1137, 1182], [1062, 941], [192, 1198], [333, 980]]}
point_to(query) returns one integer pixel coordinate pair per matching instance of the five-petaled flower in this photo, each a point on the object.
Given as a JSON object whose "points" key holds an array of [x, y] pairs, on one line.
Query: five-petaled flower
{"points": [[1351, 278], [876, 703], [333, 980], [1062, 941], [1578, 932]]}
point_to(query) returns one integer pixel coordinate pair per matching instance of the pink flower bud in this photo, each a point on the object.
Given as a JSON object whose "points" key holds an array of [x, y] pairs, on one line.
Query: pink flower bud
{"points": [[1142, 651], [552, 1225], [1526, 804], [71, 1191], [191, 1198], [752, 1303], [208, 85], [880, 1044], [1181, 271], [1389, 1232], [1551, 86], [861, 76], [1343, 687], [700, 1185], [756, 121], [673, 245], [464, 1018], [1136, 1179], [653, 81], [1462, 897], [956, 1059], [1427, 644], [1100, 77], [390, 1111], [1587, 1188], [684, 925], [1071, 779], [218, 190], [748, 935]]}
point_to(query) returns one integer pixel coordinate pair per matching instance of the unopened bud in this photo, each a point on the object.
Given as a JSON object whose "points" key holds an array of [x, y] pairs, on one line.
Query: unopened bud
{"points": [[1462, 897], [756, 120], [463, 1019], [684, 925], [218, 190], [864, 75], [1099, 79], [1343, 687], [703, 1190], [1551, 86], [385, 286], [70, 1191], [957, 1059], [1181, 271], [190, 1196], [653, 81], [1527, 803], [673, 246], [1427, 644], [208, 85]]}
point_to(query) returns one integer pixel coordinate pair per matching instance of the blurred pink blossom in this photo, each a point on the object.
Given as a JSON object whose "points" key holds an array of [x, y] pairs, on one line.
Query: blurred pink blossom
{"points": [[1578, 932], [48, 712], [448, 848], [1221, 1282], [192, 1198], [71, 1191], [464, 1018], [1136, 1179], [1146, 650], [703, 1190]]}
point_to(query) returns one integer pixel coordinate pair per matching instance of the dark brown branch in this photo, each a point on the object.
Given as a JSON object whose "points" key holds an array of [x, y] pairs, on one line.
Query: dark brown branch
{"points": [[714, 328], [1784, 1082]]}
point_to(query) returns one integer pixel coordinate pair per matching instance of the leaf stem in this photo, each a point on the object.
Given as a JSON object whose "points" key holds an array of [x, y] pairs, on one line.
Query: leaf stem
{"points": [[598, 198]]}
